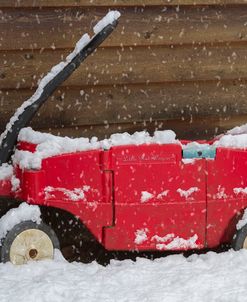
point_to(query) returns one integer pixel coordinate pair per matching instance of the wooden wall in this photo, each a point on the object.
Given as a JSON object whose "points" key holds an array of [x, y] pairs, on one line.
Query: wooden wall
{"points": [[178, 64]]}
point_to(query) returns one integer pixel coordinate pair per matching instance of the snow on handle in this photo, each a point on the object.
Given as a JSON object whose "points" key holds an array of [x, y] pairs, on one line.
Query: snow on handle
{"points": [[108, 19], [80, 45]]}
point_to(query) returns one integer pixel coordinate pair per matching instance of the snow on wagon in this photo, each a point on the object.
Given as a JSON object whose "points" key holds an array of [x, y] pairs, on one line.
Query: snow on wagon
{"points": [[131, 192]]}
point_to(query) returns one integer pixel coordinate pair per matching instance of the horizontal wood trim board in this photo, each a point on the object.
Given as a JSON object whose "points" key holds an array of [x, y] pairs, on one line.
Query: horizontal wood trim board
{"points": [[109, 66], [132, 103], [61, 28], [112, 3], [200, 128]]}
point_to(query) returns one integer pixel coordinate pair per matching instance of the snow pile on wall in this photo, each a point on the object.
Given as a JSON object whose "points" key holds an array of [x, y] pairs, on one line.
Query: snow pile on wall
{"points": [[14, 216], [49, 145]]}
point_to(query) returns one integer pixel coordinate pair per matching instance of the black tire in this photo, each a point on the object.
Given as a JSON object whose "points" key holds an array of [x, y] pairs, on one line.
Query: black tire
{"points": [[239, 238], [31, 226]]}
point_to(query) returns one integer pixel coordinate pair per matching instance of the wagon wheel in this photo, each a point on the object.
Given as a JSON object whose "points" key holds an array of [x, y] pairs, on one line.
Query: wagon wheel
{"points": [[240, 239], [29, 241]]}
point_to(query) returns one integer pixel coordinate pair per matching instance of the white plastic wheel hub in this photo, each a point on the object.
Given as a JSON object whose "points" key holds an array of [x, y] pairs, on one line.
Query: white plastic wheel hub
{"points": [[31, 244]]}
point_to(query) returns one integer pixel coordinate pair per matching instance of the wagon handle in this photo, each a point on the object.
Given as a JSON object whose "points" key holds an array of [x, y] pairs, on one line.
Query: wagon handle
{"points": [[20, 120]]}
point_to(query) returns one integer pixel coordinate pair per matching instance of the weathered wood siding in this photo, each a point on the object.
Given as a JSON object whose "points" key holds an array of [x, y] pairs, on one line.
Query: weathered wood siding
{"points": [[170, 64]]}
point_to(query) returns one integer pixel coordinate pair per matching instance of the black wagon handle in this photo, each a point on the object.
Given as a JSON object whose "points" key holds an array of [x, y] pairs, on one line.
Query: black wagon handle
{"points": [[24, 114]]}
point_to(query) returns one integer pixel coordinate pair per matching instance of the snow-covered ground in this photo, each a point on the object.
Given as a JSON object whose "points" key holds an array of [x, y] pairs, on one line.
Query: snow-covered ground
{"points": [[209, 277]]}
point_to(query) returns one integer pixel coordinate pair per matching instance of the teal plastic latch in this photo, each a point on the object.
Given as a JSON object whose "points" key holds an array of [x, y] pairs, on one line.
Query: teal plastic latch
{"points": [[208, 152]]}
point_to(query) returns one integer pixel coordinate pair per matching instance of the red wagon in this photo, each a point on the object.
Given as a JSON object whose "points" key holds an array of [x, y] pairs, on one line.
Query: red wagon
{"points": [[131, 192]]}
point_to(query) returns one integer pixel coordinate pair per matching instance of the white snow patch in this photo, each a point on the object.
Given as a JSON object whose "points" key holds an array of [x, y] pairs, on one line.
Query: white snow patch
{"points": [[141, 236], [50, 145], [178, 243], [162, 239], [232, 141], [15, 216], [198, 278], [93, 205], [15, 183], [187, 161], [162, 194], [196, 146], [164, 137], [175, 243], [138, 138], [86, 188], [240, 190], [187, 193], [221, 193], [108, 19], [145, 196], [243, 221], [6, 171], [75, 194], [238, 130], [84, 40]]}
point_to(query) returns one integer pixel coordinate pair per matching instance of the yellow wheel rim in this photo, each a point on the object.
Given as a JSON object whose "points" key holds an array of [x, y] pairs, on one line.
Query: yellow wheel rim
{"points": [[31, 245], [245, 243]]}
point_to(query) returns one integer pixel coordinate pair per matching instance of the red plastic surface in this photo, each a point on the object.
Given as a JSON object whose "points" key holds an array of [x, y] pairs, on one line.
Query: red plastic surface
{"points": [[5, 188], [158, 171], [74, 182], [226, 173], [143, 197], [25, 146]]}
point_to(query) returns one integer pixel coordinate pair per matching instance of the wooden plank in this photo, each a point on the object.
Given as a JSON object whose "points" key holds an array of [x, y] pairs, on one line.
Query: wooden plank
{"points": [[109, 66], [191, 105], [130, 103], [61, 28], [112, 3], [200, 128]]}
